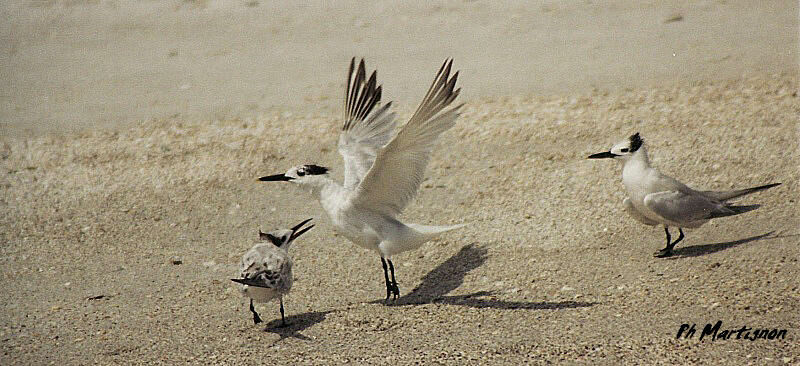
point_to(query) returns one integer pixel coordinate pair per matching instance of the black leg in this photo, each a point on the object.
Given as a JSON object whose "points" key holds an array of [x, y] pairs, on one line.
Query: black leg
{"points": [[386, 277], [256, 318], [680, 237], [394, 288], [283, 319], [667, 251], [666, 230]]}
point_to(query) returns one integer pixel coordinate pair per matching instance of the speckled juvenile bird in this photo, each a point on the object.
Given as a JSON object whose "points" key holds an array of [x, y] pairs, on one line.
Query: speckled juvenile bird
{"points": [[654, 198], [266, 269]]}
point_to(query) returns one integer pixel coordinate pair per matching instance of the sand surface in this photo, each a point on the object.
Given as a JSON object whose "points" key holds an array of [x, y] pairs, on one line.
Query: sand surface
{"points": [[77, 64], [549, 269]]}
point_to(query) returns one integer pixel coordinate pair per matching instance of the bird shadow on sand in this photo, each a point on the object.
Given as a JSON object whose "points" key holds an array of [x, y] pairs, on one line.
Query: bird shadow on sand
{"points": [[449, 275], [296, 323], [703, 249]]}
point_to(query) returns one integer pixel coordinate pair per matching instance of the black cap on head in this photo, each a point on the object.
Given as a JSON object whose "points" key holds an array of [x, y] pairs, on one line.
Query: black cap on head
{"points": [[636, 142], [272, 238], [312, 169]]}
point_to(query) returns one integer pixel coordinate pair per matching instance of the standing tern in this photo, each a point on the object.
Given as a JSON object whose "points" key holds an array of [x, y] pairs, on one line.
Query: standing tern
{"points": [[266, 269], [382, 170], [654, 198]]}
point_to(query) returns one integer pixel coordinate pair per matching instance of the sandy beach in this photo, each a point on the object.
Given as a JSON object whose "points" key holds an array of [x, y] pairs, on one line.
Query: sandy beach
{"points": [[129, 193]]}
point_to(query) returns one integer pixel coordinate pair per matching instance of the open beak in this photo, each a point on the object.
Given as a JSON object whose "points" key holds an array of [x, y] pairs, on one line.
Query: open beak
{"points": [[275, 178], [248, 282], [296, 234], [602, 155]]}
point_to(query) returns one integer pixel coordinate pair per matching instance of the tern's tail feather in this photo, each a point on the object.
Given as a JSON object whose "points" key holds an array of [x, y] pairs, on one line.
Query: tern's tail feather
{"points": [[733, 210], [412, 237], [727, 195], [433, 231]]}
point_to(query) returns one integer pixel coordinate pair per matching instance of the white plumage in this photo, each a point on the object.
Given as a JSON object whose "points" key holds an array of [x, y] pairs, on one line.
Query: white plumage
{"points": [[383, 170], [655, 198]]}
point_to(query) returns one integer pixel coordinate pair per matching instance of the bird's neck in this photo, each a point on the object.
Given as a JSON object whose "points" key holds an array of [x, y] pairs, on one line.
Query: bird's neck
{"points": [[639, 159], [320, 185], [635, 168]]}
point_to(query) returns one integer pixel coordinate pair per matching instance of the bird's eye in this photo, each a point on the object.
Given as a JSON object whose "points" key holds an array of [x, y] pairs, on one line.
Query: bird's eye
{"points": [[624, 150], [301, 172]]}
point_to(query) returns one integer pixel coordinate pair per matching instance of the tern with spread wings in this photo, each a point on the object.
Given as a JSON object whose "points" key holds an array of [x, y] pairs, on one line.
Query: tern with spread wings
{"points": [[382, 170]]}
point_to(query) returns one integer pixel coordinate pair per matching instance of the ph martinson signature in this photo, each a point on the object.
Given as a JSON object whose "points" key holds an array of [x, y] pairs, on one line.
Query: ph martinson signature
{"points": [[716, 332]]}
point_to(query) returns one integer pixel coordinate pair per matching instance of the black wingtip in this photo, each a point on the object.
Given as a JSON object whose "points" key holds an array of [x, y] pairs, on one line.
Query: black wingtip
{"points": [[362, 70], [444, 64], [248, 282], [362, 94], [448, 67]]}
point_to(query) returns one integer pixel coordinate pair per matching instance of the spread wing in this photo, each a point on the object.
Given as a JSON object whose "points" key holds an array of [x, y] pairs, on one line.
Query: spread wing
{"points": [[682, 207], [368, 126], [398, 169]]}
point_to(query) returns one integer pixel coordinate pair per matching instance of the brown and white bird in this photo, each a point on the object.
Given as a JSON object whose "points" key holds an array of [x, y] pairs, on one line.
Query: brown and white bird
{"points": [[266, 269]]}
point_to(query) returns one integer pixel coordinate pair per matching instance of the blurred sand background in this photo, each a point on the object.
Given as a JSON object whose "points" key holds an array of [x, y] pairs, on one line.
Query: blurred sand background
{"points": [[70, 65], [132, 134]]}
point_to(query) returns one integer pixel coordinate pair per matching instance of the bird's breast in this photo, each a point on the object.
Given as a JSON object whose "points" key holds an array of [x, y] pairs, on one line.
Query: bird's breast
{"points": [[263, 294]]}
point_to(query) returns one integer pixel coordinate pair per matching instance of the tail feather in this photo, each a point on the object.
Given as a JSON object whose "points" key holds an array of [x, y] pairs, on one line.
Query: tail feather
{"points": [[434, 231], [414, 236], [727, 195], [733, 210]]}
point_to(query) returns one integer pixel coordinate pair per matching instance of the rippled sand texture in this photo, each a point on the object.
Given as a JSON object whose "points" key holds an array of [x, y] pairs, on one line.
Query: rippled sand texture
{"points": [[119, 241]]}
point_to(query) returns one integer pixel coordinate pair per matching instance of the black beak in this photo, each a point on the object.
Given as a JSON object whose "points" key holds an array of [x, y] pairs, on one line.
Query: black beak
{"points": [[275, 178], [602, 155], [296, 234], [248, 282]]}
